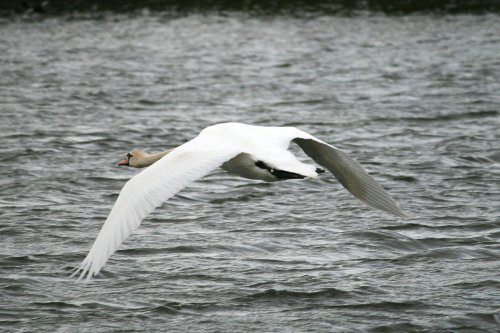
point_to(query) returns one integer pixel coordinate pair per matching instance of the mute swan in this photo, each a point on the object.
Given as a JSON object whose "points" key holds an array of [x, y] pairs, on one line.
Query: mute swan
{"points": [[254, 152]]}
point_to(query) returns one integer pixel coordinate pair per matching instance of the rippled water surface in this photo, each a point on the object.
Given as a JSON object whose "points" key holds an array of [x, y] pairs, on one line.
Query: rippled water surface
{"points": [[415, 99]]}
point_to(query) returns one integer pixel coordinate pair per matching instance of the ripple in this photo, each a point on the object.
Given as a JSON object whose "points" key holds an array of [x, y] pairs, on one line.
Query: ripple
{"points": [[277, 295], [226, 254]]}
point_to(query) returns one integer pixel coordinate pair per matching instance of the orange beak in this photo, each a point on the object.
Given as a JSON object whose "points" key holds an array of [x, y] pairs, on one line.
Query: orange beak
{"points": [[123, 162]]}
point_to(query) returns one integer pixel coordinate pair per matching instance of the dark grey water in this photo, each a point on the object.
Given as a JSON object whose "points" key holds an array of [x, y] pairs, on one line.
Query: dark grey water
{"points": [[415, 99]]}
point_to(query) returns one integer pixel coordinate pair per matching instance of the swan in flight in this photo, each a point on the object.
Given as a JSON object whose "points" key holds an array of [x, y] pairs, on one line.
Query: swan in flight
{"points": [[254, 152]]}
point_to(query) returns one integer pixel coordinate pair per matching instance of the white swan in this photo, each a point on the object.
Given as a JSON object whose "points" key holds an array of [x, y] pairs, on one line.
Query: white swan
{"points": [[254, 152]]}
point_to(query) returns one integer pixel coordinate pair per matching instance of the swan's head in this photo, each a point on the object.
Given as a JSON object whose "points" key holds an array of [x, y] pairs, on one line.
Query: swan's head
{"points": [[139, 159], [136, 159]]}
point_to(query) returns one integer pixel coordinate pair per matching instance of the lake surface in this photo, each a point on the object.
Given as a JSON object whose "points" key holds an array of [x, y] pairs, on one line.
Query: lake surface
{"points": [[415, 99]]}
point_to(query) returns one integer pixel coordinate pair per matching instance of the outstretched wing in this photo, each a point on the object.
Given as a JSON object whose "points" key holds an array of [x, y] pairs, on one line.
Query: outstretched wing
{"points": [[350, 174], [150, 188]]}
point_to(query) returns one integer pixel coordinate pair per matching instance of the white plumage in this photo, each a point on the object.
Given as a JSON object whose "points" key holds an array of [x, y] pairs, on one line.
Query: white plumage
{"points": [[254, 152]]}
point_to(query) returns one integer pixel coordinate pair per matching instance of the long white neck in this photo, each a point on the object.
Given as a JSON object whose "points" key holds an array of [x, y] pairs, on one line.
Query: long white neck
{"points": [[148, 159]]}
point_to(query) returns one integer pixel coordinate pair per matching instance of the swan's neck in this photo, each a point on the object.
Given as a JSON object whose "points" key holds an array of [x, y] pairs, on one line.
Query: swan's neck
{"points": [[149, 159]]}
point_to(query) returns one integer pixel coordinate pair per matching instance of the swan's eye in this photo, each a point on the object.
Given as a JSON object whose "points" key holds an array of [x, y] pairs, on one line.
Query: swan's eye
{"points": [[129, 155]]}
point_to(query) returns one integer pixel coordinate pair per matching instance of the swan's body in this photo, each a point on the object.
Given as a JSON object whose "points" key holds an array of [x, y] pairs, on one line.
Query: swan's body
{"points": [[243, 165], [253, 152]]}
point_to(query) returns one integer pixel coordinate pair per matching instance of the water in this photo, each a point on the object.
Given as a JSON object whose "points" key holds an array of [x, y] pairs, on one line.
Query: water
{"points": [[414, 99]]}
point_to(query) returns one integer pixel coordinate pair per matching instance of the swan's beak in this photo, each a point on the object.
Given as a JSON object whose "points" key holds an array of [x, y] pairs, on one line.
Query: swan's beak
{"points": [[123, 162]]}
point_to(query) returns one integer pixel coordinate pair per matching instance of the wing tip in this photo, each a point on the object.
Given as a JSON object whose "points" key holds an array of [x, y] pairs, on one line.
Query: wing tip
{"points": [[83, 271], [391, 207], [400, 213]]}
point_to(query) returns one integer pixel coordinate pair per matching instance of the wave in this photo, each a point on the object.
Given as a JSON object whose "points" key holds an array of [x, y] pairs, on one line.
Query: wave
{"points": [[385, 305], [445, 117], [274, 294]]}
